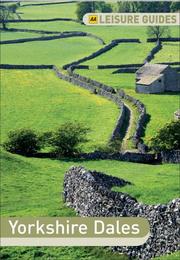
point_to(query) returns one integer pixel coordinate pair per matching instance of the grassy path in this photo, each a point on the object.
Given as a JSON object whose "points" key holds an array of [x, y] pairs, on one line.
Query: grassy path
{"points": [[128, 144], [129, 125], [125, 143]]}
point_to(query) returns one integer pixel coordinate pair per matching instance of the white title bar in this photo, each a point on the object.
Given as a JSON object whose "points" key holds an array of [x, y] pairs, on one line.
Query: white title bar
{"points": [[133, 19]]}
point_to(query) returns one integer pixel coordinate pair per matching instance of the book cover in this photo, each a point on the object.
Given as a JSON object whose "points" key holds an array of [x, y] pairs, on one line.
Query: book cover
{"points": [[90, 140]]}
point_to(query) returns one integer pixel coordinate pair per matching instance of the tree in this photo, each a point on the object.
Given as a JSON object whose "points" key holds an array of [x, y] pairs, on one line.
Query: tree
{"points": [[103, 7], [158, 31], [92, 7], [153, 7], [22, 141], [175, 6], [7, 12], [167, 138], [4, 15], [68, 139], [83, 8], [124, 7], [144, 7]]}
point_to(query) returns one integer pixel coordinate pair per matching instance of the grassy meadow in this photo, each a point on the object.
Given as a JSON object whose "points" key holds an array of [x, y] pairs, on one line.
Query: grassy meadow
{"points": [[48, 11], [39, 100], [136, 53], [168, 52], [5, 36], [58, 52], [61, 253]]}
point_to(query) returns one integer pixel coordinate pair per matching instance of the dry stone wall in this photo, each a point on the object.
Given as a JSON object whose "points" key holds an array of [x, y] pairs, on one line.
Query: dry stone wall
{"points": [[115, 96], [171, 156], [145, 158], [39, 4], [30, 31], [100, 89], [121, 66], [92, 56], [167, 39], [45, 38], [82, 67], [25, 67], [140, 124], [131, 66], [60, 35], [155, 50], [40, 20], [101, 51], [89, 193]]}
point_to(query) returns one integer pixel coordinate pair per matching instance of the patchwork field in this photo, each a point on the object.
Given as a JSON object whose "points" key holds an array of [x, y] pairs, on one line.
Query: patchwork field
{"points": [[38, 99], [116, 32]]}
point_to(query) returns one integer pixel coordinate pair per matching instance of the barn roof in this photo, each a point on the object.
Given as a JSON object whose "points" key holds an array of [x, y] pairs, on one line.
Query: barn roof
{"points": [[151, 69], [147, 80]]}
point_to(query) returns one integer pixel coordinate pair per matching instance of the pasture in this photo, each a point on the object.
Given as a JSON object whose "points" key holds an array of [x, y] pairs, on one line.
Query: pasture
{"points": [[39, 100], [16, 35], [48, 11], [169, 51], [56, 52], [119, 55]]}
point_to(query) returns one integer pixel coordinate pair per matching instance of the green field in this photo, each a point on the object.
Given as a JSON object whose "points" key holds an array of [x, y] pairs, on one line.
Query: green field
{"points": [[62, 253], [124, 53], [48, 11], [23, 177], [169, 52], [57, 52], [40, 100], [160, 107], [17, 35]]}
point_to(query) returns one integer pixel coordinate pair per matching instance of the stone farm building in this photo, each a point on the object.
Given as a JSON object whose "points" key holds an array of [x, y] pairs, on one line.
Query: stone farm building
{"points": [[156, 78]]}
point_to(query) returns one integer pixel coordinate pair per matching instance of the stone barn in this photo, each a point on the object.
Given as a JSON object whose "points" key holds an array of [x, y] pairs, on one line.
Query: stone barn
{"points": [[156, 78]]}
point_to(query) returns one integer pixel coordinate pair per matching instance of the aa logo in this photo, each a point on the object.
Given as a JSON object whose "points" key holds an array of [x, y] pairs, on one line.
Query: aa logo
{"points": [[93, 19]]}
